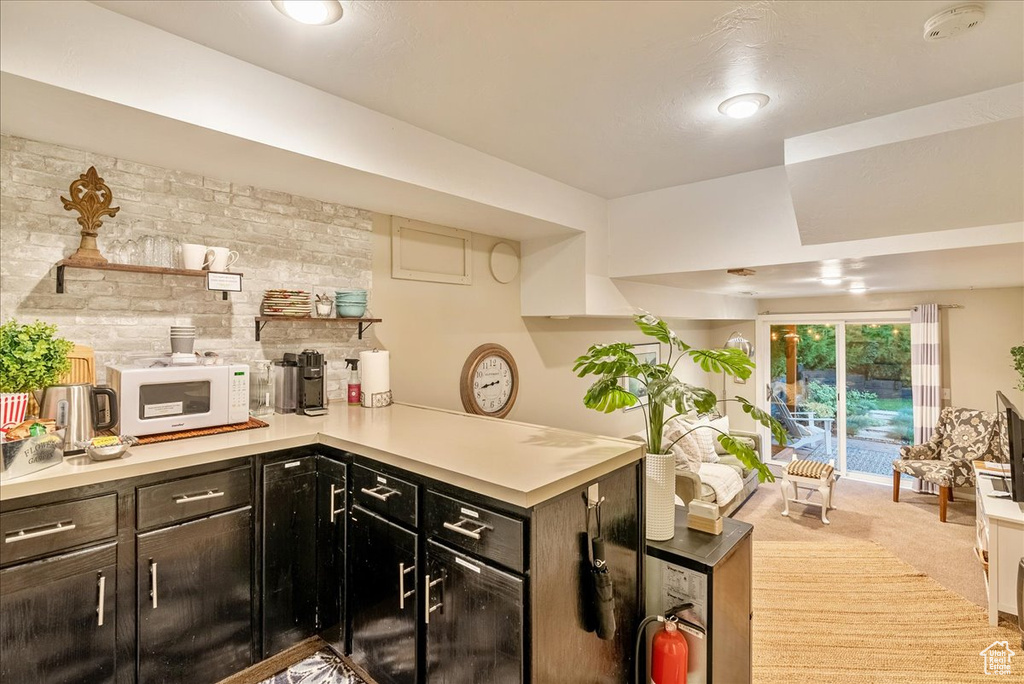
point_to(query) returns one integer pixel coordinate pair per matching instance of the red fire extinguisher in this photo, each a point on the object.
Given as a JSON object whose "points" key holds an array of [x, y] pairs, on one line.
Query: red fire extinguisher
{"points": [[670, 657]]}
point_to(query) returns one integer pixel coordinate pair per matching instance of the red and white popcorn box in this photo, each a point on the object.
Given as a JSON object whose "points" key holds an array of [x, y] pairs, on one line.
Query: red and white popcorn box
{"points": [[13, 407]]}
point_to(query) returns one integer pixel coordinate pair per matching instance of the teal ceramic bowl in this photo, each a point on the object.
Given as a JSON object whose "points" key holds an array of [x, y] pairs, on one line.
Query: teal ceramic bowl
{"points": [[350, 310]]}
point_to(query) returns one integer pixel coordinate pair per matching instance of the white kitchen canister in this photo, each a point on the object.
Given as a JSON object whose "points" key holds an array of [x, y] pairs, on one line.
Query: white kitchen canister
{"points": [[661, 496], [375, 367]]}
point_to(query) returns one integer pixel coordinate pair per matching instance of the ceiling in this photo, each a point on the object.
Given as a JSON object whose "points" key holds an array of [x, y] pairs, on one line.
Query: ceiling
{"points": [[957, 179], [951, 269], [622, 97]]}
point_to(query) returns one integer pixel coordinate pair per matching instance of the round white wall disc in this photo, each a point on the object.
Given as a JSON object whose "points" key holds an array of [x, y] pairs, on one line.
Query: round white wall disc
{"points": [[504, 262]]}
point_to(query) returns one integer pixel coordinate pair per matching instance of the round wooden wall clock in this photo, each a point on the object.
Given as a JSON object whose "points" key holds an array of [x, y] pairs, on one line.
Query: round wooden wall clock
{"points": [[490, 381]]}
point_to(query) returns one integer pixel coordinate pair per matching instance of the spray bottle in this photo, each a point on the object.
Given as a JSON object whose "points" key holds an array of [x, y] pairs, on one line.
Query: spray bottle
{"points": [[354, 387]]}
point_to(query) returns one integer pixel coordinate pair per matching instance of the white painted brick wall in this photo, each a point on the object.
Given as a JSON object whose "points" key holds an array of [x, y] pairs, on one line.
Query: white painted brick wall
{"points": [[283, 241]]}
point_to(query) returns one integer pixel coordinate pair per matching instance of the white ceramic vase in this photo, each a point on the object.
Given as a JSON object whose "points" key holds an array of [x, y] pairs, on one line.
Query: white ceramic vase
{"points": [[661, 496]]}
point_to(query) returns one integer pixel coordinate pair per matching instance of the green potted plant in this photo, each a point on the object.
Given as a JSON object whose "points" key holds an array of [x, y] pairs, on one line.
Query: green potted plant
{"points": [[1018, 364], [668, 398], [32, 358]]}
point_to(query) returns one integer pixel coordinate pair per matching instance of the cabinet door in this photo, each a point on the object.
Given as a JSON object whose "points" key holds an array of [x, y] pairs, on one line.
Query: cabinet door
{"points": [[289, 553], [330, 550], [474, 621], [383, 598], [57, 618], [195, 599]]}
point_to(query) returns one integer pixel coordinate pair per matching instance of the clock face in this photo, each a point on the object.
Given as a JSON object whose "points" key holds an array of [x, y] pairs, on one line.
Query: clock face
{"points": [[492, 384], [489, 382]]}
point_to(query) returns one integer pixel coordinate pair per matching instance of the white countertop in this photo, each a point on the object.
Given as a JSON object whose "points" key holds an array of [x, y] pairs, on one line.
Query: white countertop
{"points": [[518, 463], [998, 507]]}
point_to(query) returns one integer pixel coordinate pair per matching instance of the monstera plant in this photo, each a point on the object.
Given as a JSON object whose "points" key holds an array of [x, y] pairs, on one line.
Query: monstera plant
{"points": [[1018, 364], [668, 396]]}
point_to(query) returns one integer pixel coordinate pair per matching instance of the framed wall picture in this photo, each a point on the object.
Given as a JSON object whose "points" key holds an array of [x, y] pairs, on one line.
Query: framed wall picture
{"points": [[645, 353]]}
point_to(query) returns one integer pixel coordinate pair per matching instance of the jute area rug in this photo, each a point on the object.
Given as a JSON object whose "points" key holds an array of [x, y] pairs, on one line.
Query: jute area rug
{"points": [[850, 611]]}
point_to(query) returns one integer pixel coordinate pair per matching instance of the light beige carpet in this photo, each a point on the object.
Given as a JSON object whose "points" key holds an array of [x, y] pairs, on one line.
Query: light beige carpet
{"points": [[909, 529], [849, 611]]}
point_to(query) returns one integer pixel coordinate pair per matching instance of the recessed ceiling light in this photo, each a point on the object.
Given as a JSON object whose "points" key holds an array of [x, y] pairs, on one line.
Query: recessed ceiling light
{"points": [[313, 12], [831, 281], [858, 289], [742, 106]]}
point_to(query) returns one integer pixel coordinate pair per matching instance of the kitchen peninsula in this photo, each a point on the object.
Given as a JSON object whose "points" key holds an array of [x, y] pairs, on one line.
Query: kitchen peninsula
{"points": [[411, 529]]}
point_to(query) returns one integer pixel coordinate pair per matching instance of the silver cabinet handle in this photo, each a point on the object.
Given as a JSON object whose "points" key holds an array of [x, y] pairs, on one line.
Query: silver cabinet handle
{"points": [[152, 576], [429, 608], [375, 492], [103, 596], [335, 511], [402, 593], [188, 498], [472, 534], [62, 526]]}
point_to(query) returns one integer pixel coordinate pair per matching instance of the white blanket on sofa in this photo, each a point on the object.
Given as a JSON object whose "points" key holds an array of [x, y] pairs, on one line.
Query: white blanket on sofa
{"points": [[726, 482]]}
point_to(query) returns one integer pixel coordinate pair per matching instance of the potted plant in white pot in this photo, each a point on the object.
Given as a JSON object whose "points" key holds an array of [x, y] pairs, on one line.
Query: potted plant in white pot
{"points": [[32, 358], [668, 398]]}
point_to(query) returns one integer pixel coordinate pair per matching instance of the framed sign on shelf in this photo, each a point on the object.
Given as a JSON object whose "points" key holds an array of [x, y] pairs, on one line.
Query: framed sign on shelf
{"points": [[645, 353]]}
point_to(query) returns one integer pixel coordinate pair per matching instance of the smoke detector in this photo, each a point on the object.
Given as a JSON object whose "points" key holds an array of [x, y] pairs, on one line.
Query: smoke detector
{"points": [[952, 22]]}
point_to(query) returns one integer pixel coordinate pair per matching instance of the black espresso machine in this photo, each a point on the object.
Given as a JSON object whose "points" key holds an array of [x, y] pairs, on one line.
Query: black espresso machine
{"points": [[310, 396]]}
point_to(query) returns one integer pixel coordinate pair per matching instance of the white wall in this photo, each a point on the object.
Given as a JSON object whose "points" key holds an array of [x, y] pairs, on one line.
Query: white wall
{"points": [[746, 220], [976, 339], [430, 329]]}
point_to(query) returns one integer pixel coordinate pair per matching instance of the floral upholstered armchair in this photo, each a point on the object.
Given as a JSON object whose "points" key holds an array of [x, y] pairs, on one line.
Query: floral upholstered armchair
{"points": [[962, 435]]}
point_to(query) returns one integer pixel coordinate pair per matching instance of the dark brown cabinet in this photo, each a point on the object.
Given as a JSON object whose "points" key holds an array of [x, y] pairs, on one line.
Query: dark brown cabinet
{"points": [[289, 553], [420, 581], [384, 597], [332, 514], [474, 620], [194, 598], [57, 618]]}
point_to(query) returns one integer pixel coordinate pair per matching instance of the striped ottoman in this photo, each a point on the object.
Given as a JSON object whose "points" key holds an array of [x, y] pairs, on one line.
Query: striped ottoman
{"points": [[809, 475]]}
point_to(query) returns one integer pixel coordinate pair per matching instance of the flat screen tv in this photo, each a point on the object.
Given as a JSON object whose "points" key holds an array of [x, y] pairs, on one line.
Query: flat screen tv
{"points": [[1014, 427]]}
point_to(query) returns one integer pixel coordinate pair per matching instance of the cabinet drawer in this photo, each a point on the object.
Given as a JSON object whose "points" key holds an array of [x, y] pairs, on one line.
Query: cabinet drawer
{"points": [[39, 531], [192, 497], [391, 497], [290, 468], [475, 529]]}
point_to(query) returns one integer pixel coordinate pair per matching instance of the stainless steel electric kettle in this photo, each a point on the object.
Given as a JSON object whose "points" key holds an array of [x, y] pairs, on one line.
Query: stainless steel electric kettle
{"points": [[76, 408]]}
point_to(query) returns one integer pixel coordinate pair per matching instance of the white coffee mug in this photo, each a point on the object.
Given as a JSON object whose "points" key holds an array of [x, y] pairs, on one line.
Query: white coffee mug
{"points": [[222, 258], [194, 257]]}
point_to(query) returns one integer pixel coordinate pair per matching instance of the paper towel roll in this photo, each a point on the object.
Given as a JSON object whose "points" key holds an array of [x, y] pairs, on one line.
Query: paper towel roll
{"points": [[376, 378]]}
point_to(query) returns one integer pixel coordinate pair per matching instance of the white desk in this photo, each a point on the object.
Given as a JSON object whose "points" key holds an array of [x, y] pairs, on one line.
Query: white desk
{"points": [[1000, 523]]}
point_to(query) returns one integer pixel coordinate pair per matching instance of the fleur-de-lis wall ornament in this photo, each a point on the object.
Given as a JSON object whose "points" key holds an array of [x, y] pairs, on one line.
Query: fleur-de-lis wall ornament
{"points": [[91, 198]]}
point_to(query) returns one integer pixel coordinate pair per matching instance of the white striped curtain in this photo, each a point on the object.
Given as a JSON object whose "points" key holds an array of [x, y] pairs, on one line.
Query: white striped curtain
{"points": [[925, 377]]}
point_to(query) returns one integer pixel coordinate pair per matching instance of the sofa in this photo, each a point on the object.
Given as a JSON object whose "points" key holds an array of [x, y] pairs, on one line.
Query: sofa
{"points": [[689, 485]]}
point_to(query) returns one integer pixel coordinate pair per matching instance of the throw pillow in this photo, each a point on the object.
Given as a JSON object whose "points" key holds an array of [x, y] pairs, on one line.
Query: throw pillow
{"points": [[723, 425], [706, 440], [691, 446]]}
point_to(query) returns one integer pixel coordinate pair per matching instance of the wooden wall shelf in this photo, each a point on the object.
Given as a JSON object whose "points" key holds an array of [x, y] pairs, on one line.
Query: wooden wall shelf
{"points": [[127, 268], [364, 323]]}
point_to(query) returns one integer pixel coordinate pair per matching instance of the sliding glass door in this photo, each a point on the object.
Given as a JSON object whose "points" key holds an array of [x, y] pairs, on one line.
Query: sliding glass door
{"points": [[803, 389], [840, 386], [879, 409]]}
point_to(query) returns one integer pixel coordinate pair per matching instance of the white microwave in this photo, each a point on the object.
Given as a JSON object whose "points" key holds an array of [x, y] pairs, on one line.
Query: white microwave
{"points": [[175, 398]]}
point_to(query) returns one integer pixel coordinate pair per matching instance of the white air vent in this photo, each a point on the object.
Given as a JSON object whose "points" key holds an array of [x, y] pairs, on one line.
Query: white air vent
{"points": [[954, 21]]}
